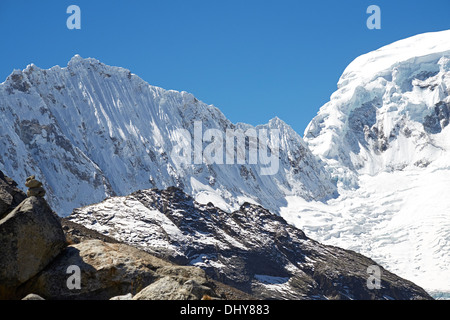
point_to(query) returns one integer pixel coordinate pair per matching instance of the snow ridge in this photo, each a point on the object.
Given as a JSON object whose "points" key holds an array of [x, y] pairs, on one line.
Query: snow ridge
{"points": [[90, 131]]}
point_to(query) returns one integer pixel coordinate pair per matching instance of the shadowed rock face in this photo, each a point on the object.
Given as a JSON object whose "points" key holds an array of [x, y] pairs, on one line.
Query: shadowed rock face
{"points": [[31, 237], [10, 195], [250, 249]]}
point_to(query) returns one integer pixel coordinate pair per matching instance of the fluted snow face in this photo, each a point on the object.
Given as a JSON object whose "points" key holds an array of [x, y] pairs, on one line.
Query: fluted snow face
{"points": [[89, 131]]}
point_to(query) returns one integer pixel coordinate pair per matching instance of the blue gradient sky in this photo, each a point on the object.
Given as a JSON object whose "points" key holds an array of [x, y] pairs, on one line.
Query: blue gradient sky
{"points": [[252, 59]]}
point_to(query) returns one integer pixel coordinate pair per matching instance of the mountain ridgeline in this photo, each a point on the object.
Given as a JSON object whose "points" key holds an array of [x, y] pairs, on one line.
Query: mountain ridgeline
{"points": [[163, 171], [90, 131]]}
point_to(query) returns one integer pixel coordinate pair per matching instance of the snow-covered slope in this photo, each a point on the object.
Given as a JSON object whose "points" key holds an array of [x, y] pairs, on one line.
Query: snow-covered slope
{"points": [[400, 219], [388, 112], [89, 131], [384, 137]]}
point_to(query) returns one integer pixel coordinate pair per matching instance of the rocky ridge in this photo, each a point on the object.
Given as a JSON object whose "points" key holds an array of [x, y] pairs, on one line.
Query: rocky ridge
{"points": [[250, 249]]}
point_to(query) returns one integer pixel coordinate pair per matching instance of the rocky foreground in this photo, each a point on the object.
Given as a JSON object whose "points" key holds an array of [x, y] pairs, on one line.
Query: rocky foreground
{"points": [[40, 257]]}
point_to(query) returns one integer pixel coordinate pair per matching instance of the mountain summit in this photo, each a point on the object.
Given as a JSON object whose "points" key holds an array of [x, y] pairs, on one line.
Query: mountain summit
{"points": [[384, 136], [390, 111], [90, 131]]}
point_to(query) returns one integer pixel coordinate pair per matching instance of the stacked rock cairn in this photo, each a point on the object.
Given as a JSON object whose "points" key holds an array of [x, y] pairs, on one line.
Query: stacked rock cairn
{"points": [[34, 187]]}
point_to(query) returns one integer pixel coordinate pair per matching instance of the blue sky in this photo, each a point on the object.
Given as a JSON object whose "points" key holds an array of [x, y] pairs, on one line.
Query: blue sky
{"points": [[252, 59]]}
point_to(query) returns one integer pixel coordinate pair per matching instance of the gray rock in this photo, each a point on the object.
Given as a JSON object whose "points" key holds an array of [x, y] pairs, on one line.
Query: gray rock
{"points": [[127, 296], [35, 187], [107, 270], [172, 288], [187, 283], [31, 237], [10, 195], [36, 192], [33, 296]]}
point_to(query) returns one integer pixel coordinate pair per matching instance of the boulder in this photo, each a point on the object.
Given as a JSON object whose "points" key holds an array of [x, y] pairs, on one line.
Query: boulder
{"points": [[33, 296], [31, 236], [178, 283], [107, 270], [170, 288], [127, 296]]}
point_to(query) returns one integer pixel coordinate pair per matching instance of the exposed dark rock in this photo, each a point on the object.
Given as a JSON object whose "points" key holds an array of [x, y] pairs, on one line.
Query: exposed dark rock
{"points": [[10, 195], [439, 119], [250, 249], [76, 233]]}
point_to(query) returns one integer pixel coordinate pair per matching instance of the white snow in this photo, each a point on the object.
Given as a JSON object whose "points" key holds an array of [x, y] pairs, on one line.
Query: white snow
{"points": [[130, 221], [399, 219], [393, 173], [375, 63], [93, 120]]}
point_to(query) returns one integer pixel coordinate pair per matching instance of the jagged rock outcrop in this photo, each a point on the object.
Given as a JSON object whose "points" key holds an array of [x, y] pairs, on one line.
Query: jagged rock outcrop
{"points": [[10, 195], [251, 248], [30, 238]]}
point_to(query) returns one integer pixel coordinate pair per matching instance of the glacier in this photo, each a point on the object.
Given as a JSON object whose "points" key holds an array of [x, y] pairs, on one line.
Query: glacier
{"points": [[384, 137]]}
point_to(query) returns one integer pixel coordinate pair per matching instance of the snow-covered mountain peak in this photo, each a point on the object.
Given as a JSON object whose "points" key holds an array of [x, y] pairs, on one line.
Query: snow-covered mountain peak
{"points": [[249, 248], [390, 107], [75, 59], [384, 137], [418, 49], [89, 131]]}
